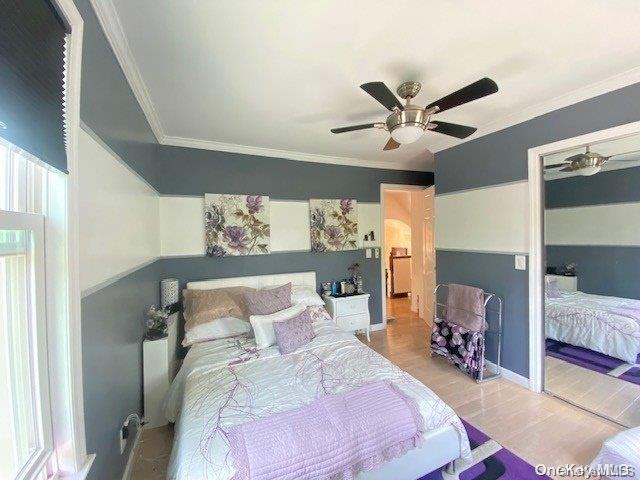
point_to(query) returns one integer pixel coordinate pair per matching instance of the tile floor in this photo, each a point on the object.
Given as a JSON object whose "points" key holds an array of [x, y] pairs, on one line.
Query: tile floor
{"points": [[539, 428]]}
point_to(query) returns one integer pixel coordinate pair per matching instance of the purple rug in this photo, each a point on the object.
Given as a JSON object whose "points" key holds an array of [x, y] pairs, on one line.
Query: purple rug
{"points": [[598, 362], [503, 465]]}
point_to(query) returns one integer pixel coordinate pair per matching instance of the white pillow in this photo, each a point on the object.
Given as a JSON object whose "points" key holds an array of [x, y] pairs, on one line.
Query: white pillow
{"points": [[263, 324], [218, 328], [305, 295]]}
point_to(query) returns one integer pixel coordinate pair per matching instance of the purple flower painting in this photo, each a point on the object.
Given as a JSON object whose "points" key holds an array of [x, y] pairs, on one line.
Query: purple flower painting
{"points": [[236, 225], [334, 225]]}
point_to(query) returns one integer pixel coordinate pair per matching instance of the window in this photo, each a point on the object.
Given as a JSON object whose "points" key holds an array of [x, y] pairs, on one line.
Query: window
{"points": [[26, 444]]}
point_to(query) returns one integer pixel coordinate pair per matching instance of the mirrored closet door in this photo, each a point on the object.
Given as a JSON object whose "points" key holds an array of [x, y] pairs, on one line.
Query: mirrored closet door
{"points": [[592, 282]]}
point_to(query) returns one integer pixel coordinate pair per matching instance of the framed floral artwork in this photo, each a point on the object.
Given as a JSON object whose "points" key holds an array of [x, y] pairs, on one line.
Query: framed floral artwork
{"points": [[236, 225], [334, 225]]}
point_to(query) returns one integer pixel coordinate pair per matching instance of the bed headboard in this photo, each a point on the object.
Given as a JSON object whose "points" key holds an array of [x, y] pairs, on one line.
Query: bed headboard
{"points": [[258, 281]]}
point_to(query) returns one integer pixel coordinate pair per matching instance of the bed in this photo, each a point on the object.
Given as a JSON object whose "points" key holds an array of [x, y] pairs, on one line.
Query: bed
{"points": [[227, 382], [609, 325]]}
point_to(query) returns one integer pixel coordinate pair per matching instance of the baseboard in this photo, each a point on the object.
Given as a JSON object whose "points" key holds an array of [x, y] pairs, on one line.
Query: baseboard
{"points": [[511, 376], [374, 327], [128, 470]]}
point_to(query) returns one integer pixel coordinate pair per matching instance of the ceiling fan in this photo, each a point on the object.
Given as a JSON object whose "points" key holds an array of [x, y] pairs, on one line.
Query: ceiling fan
{"points": [[590, 163], [408, 122]]}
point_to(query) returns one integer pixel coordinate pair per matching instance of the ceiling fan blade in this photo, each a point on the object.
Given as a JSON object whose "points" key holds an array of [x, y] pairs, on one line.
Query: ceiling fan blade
{"points": [[625, 157], [567, 169], [476, 90], [576, 157], [382, 94], [555, 165], [453, 129], [352, 128], [391, 144]]}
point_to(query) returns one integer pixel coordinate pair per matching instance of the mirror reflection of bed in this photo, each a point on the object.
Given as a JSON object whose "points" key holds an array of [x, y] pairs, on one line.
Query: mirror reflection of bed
{"points": [[592, 282]]}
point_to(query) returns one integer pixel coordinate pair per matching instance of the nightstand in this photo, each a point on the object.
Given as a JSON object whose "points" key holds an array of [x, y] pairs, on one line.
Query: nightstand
{"points": [[350, 313], [159, 368]]}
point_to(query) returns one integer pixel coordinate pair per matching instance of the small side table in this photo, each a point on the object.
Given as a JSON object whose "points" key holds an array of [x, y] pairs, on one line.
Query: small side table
{"points": [[350, 313], [159, 368]]}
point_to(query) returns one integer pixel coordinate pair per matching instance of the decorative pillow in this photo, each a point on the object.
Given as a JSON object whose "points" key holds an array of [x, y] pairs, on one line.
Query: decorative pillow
{"points": [[215, 329], [552, 290], [268, 301], [263, 325], [294, 333], [202, 307], [306, 296]]}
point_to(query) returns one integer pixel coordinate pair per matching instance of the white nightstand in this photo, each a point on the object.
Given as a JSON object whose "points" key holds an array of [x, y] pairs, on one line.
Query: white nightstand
{"points": [[159, 368], [350, 313]]}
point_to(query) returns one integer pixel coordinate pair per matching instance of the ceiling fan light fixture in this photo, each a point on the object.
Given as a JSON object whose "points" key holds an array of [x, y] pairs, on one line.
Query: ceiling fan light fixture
{"points": [[588, 171], [407, 133]]}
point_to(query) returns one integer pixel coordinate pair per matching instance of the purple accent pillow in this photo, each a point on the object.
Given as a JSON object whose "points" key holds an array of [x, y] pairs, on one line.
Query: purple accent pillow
{"points": [[266, 302], [293, 333], [552, 289]]}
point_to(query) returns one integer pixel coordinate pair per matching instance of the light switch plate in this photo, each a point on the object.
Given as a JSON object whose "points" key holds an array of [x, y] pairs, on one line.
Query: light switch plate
{"points": [[368, 253], [521, 262]]}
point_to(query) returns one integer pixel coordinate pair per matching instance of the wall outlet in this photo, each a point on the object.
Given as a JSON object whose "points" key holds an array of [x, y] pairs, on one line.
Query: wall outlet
{"points": [[521, 262], [377, 250]]}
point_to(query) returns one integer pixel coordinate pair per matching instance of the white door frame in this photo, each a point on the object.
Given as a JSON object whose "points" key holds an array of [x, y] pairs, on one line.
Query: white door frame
{"points": [[536, 238], [383, 187]]}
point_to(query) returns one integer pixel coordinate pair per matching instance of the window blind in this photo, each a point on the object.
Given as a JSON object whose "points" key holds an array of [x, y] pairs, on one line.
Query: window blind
{"points": [[32, 75]]}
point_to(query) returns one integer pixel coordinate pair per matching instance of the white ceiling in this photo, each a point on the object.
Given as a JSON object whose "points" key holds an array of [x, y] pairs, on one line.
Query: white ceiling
{"points": [[272, 77], [626, 145]]}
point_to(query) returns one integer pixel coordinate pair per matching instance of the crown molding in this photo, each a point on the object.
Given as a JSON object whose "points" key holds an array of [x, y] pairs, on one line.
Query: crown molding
{"points": [[289, 155], [581, 94], [110, 22]]}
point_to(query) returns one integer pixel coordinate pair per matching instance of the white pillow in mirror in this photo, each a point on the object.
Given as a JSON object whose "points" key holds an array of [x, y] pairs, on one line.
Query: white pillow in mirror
{"points": [[263, 324], [305, 295], [218, 328]]}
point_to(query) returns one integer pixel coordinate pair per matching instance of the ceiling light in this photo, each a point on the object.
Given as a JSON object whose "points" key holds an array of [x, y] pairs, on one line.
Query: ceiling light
{"points": [[3, 126], [407, 133], [588, 171]]}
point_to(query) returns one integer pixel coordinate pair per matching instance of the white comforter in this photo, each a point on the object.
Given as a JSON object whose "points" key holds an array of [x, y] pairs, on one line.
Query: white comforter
{"points": [[228, 382], [604, 324]]}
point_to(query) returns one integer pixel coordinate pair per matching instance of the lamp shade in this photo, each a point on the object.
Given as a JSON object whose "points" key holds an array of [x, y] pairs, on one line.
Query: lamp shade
{"points": [[407, 133], [588, 171], [169, 292]]}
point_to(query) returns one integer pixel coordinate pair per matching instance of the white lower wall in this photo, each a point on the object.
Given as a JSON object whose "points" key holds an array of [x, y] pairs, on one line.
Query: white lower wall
{"points": [[182, 225], [616, 224], [491, 219], [119, 212]]}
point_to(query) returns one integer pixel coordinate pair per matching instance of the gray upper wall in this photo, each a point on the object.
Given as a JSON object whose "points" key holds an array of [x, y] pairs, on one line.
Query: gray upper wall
{"points": [[502, 156], [107, 104], [602, 270], [614, 186], [188, 171]]}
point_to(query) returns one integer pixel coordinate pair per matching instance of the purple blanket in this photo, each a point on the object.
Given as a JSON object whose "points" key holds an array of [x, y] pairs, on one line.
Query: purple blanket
{"points": [[334, 437]]}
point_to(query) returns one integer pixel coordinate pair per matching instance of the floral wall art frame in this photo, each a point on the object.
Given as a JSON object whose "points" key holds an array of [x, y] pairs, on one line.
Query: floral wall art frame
{"points": [[334, 225], [236, 225]]}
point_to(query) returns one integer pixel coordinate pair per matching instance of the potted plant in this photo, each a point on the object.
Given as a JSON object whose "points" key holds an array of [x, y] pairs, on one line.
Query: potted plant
{"points": [[156, 323]]}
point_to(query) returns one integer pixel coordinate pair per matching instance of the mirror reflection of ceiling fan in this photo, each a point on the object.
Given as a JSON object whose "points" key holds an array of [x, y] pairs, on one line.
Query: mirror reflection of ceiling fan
{"points": [[408, 122], [590, 163]]}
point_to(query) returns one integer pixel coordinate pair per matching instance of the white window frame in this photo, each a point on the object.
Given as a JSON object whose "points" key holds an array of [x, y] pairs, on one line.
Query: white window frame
{"points": [[73, 462], [37, 318], [63, 300]]}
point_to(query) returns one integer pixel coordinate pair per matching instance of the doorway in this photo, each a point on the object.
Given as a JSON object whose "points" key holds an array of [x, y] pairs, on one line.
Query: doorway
{"points": [[408, 253]]}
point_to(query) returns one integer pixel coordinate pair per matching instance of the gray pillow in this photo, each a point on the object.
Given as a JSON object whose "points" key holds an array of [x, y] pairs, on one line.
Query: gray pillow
{"points": [[266, 302]]}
